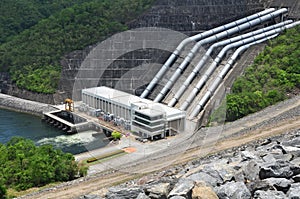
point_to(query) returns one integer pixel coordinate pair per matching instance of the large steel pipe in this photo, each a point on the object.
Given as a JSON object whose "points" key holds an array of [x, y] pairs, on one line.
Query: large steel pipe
{"points": [[210, 39], [196, 38], [219, 57], [218, 80], [202, 62]]}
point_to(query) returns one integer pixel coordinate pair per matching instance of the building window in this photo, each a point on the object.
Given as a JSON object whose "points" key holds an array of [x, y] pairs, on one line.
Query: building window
{"points": [[160, 128]]}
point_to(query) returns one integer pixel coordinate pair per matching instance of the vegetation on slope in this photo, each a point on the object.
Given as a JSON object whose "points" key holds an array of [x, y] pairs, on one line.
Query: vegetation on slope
{"points": [[24, 165], [33, 56], [274, 75], [18, 15]]}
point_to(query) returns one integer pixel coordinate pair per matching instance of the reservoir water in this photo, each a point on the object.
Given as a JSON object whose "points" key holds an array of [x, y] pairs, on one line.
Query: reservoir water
{"points": [[31, 127]]}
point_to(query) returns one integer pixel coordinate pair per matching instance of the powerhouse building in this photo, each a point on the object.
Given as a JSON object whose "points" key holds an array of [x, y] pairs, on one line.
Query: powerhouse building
{"points": [[147, 118]]}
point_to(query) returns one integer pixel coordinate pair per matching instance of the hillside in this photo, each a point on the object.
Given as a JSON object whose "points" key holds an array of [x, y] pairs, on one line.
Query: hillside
{"points": [[32, 57], [273, 77], [19, 15], [36, 38]]}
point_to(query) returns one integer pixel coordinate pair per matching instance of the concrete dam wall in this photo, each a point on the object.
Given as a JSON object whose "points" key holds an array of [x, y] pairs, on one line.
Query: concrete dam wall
{"points": [[185, 16], [188, 17]]}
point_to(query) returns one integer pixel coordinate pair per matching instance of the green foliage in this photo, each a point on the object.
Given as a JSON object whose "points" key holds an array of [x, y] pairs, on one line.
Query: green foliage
{"points": [[41, 80], [274, 74], [219, 115], [24, 165], [116, 135], [3, 190], [38, 50], [18, 15]]}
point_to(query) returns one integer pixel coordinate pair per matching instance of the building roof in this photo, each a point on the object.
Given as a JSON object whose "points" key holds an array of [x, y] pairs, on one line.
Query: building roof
{"points": [[144, 105]]}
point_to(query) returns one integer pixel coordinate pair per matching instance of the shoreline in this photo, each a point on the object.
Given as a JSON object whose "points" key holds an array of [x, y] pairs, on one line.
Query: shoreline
{"points": [[16, 104]]}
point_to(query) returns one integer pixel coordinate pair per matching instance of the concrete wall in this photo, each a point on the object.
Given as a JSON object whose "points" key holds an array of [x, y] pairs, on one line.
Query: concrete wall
{"points": [[187, 16]]}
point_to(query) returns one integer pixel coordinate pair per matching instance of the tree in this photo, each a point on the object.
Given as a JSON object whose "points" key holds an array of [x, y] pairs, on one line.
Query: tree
{"points": [[116, 135], [24, 165], [2, 189]]}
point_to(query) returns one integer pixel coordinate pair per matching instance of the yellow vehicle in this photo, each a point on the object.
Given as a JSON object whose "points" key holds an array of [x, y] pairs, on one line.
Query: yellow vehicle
{"points": [[69, 105]]}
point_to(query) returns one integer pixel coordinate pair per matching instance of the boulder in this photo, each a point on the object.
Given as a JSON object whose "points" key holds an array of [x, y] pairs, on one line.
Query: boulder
{"points": [[273, 148], [295, 169], [259, 185], [212, 171], [221, 171], [233, 190], [294, 192], [124, 193], [295, 161], [270, 194], [202, 191], [284, 157], [278, 169], [158, 191], [201, 176], [239, 176], [280, 184], [177, 197], [90, 197], [246, 155], [296, 178], [295, 151], [251, 171], [294, 142], [183, 188], [142, 196], [269, 158]]}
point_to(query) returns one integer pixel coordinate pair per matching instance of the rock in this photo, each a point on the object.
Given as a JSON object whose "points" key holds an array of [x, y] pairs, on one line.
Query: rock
{"points": [[239, 176], [90, 197], [251, 171], [270, 194], [296, 161], [284, 157], [212, 171], [295, 151], [278, 169], [201, 176], [202, 191], [279, 148], [294, 192], [182, 188], [296, 178], [295, 169], [142, 196], [246, 155], [159, 191], [177, 197], [269, 158], [227, 173], [295, 142], [233, 190], [259, 185], [266, 142], [281, 184], [124, 193]]}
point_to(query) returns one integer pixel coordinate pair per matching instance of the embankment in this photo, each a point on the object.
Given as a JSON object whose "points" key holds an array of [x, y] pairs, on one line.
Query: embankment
{"points": [[22, 105]]}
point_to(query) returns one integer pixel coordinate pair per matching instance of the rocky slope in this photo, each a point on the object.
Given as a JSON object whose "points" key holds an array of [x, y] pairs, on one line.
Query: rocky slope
{"points": [[265, 169]]}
